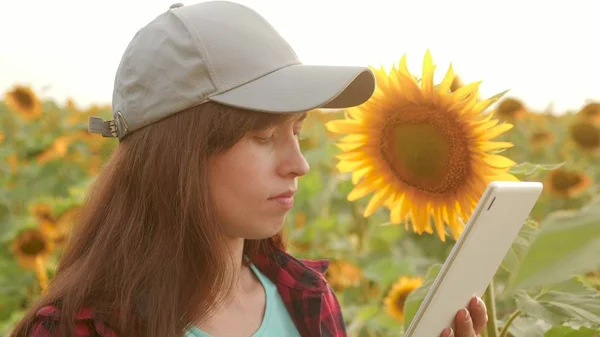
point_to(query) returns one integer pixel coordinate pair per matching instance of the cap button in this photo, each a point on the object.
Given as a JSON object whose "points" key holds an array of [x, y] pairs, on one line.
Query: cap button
{"points": [[176, 5]]}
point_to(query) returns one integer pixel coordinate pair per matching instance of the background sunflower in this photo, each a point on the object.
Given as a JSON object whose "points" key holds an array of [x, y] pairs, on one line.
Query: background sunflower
{"points": [[396, 298], [23, 101]]}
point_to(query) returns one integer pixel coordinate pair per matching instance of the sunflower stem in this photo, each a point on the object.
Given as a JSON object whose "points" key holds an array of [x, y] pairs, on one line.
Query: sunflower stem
{"points": [[511, 319], [360, 228], [490, 304], [40, 271]]}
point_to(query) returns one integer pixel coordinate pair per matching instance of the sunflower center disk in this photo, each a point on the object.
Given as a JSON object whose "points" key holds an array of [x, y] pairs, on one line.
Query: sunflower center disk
{"points": [[33, 247], [427, 155], [400, 301], [565, 180], [24, 99]]}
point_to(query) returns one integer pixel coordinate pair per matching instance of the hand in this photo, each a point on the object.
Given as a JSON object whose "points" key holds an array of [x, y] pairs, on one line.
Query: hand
{"points": [[469, 323]]}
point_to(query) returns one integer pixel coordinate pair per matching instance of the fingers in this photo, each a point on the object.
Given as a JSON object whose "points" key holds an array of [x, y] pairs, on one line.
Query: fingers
{"points": [[464, 325], [479, 315], [447, 333], [469, 323]]}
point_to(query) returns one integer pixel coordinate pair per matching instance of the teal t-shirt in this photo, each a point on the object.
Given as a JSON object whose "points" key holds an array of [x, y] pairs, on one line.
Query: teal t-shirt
{"points": [[276, 321]]}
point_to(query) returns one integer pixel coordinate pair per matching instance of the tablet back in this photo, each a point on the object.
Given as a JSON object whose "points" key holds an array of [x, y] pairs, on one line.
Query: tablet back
{"points": [[476, 256]]}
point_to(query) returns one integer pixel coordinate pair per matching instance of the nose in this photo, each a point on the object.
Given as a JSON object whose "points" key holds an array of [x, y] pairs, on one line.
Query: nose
{"points": [[293, 162]]}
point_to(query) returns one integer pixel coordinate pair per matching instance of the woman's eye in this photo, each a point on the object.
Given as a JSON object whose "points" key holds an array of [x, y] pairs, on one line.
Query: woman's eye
{"points": [[264, 139]]}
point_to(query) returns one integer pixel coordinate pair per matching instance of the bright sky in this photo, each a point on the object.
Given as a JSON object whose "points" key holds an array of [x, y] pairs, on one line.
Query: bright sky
{"points": [[543, 51]]}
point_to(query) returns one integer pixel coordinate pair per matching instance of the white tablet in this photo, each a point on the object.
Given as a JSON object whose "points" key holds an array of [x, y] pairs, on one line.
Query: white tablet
{"points": [[476, 256]]}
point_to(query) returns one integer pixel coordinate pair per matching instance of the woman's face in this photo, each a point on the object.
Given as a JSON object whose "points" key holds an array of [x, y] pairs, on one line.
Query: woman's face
{"points": [[254, 182]]}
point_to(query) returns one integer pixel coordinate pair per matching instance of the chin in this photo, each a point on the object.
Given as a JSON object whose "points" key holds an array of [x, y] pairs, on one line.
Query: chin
{"points": [[264, 231]]}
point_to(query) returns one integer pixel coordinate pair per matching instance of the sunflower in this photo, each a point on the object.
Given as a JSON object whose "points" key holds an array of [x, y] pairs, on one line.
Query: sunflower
{"points": [[371, 289], [565, 183], [396, 298], [57, 228], [32, 249], [58, 149], [22, 100], [540, 139], [511, 109], [30, 246], [343, 274], [591, 111], [585, 135], [424, 151], [42, 212], [95, 145]]}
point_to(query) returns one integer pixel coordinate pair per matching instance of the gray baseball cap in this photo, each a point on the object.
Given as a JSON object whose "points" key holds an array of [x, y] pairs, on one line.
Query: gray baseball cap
{"points": [[223, 52]]}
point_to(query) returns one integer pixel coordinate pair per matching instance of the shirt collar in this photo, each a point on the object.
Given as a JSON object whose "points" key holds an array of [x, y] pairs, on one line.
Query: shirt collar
{"points": [[282, 268]]}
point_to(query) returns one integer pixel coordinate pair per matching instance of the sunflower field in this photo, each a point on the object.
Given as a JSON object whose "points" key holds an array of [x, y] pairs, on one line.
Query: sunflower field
{"points": [[391, 186]]}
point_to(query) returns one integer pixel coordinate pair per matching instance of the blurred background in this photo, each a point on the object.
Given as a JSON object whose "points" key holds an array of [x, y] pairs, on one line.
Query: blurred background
{"points": [[57, 64]]}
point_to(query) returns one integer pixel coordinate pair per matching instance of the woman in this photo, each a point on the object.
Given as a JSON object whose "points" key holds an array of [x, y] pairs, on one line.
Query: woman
{"points": [[180, 235]]}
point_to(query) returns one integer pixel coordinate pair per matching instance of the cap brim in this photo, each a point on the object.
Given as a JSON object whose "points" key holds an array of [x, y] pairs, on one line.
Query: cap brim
{"points": [[300, 88]]}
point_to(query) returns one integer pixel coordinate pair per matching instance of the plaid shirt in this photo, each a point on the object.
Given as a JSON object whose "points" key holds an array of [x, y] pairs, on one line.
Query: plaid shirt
{"points": [[308, 297]]}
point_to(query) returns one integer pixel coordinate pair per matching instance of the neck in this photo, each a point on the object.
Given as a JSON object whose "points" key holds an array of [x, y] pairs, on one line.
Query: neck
{"points": [[243, 273], [236, 247]]}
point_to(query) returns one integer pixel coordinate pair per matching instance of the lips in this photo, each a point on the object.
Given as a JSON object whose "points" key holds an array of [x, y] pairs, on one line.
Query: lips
{"points": [[287, 194], [286, 199]]}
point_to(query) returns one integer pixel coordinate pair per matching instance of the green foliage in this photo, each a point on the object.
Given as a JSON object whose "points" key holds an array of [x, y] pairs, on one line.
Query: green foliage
{"points": [[545, 286], [567, 244]]}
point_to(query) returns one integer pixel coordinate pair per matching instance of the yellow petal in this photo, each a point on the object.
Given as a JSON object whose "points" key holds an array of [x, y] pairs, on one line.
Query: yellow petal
{"points": [[359, 174], [447, 81], [396, 215], [377, 201], [498, 161], [465, 106], [489, 146], [420, 219], [465, 92], [483, 118], [484, 104], [354, 113], [483, 127], [349, 146], [427, 77], [496, 131], [411, 90], [440, 226], [504, 177], [403, 67], [364, 187], [351, 156], [463, 208], [350, 166], [453, 223], [355, 138], [345, 126]]}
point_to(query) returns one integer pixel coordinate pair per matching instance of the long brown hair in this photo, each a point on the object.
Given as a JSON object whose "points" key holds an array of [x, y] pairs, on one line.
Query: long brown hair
{"points": [[147, 253]]}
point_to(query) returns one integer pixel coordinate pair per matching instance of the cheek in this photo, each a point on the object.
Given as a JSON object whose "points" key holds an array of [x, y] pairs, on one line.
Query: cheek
{"points": [[239, 188]]}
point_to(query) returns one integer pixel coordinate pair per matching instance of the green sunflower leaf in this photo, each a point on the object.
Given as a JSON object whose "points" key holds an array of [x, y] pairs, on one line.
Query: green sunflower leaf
{"points": [[415, 298], [566, 331], [527, 169], [569, 302], [567, 244]]}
